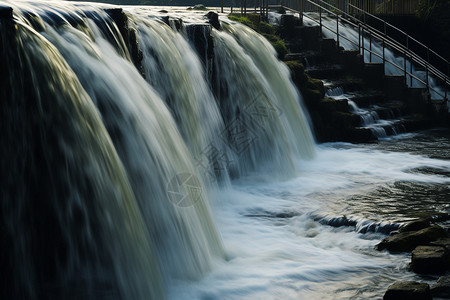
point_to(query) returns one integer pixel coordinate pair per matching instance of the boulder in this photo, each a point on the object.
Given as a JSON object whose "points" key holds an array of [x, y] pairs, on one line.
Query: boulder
{"points": [[409, 290], [6, 12], [429, 260], [415, 225], [442, 242], [199, 7], [441, 289], [213, 18], [407, 241]]}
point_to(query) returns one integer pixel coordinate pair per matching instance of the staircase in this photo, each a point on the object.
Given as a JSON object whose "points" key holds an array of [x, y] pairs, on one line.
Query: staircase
{"points": [[360, 102]]}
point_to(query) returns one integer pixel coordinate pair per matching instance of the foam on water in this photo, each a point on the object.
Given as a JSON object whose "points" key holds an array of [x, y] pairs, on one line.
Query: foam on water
{"points": [[277, 248]]}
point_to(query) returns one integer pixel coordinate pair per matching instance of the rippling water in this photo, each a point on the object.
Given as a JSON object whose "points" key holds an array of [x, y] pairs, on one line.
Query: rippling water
{"points": [[279, 246]]}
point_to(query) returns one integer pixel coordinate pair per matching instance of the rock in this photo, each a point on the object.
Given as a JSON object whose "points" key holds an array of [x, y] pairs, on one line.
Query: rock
{"points": [[443, 242], [200, 36], [407, 241], [287, 25], [415, 225], [429, 260], [6, 12], [441, 289], [199, 7], [409, 290], [213, 18]]}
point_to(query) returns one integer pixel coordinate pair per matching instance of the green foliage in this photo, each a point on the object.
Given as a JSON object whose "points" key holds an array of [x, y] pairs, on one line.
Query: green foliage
{"points": [[266, 28], [433, 8], [268, 31], [243, 20]]}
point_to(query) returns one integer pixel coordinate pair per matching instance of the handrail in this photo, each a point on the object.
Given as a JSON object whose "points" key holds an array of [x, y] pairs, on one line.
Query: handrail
{"points": [[410, 74], [386, 40], [408, 38]]}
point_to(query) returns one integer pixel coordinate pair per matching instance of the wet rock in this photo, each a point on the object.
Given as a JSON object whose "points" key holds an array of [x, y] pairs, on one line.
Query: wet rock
{"points": [[287, 25], [407, 241], [409, 290], [129, 36], [176, 23], [441, 289], [200, 36], [442, 242], [6, 12], [165, 19], [429, 260], [415, 225], [213, 18]]}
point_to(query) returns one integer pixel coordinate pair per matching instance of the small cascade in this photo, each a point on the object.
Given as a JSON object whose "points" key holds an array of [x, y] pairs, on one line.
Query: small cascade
{"points": [[389, 123], [361, 225], [381, 128], [334, 91]]}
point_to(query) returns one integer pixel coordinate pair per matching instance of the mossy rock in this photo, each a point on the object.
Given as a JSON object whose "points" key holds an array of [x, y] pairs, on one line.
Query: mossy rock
{"points": [[277, 43], [409, 290], [266, 28], [429, 260], [297, 69]]}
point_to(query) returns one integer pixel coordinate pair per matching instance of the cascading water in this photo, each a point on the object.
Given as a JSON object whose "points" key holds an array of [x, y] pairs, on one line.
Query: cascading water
{"points": [[259, 102], [113, 135], [73, 210], [141, 149]]}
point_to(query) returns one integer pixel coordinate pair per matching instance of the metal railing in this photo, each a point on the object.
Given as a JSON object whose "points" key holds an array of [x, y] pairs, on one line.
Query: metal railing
{"points": [[324, 9], [376, 7]]}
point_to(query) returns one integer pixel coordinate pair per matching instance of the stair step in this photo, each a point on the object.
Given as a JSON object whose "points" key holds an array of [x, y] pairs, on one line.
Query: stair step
{"points": [[326, 71], [365, 100], [348, 85]]}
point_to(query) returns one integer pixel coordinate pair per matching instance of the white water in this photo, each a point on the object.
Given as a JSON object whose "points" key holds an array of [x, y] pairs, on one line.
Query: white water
{"points": [[268, 220], [105, 201], [296, 257]]}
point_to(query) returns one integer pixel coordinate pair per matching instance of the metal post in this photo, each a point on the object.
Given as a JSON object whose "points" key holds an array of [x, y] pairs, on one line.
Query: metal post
{"points": [[404, 65], [384, 59], [370, 48], [411, 70], [301, 11], [231, 6], [359, 38], [337, 30], [320, 20], [362, 43], [221, 6]]}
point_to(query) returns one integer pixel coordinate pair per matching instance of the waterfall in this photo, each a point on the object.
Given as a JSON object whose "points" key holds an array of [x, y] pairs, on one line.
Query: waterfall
{"points": [[115, 134], [72, 209], [258, 102]]}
